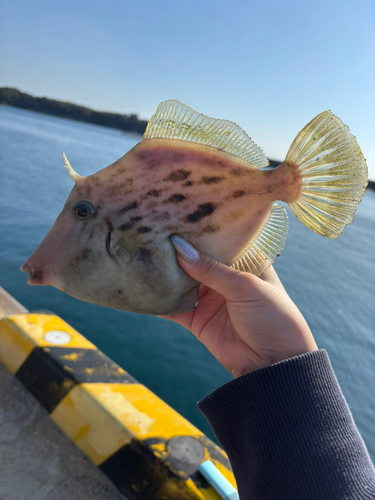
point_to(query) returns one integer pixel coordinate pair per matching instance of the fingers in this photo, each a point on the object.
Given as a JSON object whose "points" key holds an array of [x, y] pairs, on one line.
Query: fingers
{"points": [[184, 319], [219, 277], [270, 276]]}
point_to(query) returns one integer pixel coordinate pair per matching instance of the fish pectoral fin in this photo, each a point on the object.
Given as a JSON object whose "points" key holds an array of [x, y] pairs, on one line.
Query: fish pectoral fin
{"points": [[128, 244], [121, 252], [266, 244], [174, 120]]}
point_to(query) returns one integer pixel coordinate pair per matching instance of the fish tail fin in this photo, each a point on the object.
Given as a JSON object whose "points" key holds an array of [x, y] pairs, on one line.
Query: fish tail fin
{"points": [[333, 174]]}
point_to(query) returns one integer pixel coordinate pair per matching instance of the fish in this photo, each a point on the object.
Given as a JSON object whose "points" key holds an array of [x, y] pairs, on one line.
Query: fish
{"points": [[202, 179]]}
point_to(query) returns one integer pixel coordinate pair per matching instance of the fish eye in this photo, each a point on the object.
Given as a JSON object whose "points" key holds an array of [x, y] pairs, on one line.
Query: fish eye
{"points": [[83, 210]]}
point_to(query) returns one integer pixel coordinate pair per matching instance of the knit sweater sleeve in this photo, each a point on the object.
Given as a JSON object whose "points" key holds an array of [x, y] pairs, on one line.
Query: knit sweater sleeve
{"points": [[289, 433]]}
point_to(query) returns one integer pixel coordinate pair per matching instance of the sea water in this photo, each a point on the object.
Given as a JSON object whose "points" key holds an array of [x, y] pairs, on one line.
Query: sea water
{"points": [[331, 281]]}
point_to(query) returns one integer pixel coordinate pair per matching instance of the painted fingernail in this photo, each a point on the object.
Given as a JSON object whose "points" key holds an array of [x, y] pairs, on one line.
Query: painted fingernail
{"points": [[184, 248]]}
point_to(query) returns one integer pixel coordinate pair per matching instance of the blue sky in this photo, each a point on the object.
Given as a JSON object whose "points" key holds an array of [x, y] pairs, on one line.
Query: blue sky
{"points": [[270, 66]]}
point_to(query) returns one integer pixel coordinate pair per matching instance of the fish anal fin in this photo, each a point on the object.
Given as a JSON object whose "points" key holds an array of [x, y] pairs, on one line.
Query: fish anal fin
{"points": [[266, 244], [174, 120]]}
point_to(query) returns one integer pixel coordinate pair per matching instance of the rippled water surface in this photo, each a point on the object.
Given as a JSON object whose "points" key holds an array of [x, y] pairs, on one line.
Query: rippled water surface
{"points": [[331, 281]]}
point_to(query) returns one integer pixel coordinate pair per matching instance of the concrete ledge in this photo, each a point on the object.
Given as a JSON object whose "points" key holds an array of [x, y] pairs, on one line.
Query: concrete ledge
{"points": [[37, 461], [147, 449], [9, 305]]}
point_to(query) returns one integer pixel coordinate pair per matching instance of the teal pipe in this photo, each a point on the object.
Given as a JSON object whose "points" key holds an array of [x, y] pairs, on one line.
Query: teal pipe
{"points": [[216, 479]]}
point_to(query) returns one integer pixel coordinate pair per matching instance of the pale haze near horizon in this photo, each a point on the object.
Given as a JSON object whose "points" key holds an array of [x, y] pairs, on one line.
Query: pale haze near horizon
{"points": [[268, 66]]}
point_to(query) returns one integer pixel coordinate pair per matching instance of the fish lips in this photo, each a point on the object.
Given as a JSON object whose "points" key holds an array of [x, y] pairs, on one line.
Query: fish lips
{"points": [[38, 274]]}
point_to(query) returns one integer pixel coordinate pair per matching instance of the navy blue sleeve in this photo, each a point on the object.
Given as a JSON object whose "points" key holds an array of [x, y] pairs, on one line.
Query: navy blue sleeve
{"points": [[289, 433]]}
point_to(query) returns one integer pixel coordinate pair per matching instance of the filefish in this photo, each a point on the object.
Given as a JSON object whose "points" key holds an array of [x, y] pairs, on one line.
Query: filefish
{"points": [[206, 181]]}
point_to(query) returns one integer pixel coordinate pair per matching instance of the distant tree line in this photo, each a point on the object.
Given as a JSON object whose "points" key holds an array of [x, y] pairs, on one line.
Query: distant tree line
{"points": [[127, 123], [17, 99]]}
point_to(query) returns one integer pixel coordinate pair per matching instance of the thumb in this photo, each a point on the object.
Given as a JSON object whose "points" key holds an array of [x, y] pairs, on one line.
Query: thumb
{"points": [[219, 277]]}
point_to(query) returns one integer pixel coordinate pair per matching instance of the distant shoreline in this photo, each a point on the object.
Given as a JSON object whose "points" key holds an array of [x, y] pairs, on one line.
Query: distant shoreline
{"points": [[127, 123]]}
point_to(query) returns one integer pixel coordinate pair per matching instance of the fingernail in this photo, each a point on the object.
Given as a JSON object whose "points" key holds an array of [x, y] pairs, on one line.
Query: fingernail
{"points": [[184, 248]]}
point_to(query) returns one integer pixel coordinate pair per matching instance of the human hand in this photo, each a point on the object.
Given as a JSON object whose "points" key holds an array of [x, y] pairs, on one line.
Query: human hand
{"points": [[246, 322]]}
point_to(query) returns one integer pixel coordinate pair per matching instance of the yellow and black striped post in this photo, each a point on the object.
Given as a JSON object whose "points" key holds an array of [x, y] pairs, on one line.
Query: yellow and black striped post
{"points": [[147, 449]]}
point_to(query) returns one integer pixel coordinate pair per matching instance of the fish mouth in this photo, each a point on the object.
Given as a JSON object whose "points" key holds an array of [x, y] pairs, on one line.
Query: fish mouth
{"points": [[36, 275]]}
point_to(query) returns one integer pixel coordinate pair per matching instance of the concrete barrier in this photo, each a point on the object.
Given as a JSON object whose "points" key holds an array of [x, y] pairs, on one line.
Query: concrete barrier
{"points": [[146, 448]]}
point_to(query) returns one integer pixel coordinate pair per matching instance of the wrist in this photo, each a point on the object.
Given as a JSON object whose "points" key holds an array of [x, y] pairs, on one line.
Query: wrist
{"points": [[272, 359]]}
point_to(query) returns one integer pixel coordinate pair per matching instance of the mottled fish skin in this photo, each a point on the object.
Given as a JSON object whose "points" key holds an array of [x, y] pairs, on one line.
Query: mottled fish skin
{"points": [[122, 257], [211, 198]]}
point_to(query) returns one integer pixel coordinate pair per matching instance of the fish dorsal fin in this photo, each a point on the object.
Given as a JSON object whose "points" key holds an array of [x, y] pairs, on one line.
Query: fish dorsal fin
{"points": [[174, 120], [266, 244]]}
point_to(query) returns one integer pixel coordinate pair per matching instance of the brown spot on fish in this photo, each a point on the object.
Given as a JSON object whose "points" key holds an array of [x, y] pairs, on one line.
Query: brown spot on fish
{"points": [[129, 206], [188, 183], [95, 180], [149, 158], [234, 215], [177, 175], [144, 229], [126, 226], [203, 211], [161, 217], [236, 171], [142, 155], [128, 181], [120, 291], [118, 171], [211, 180], [117, 188], [154, 162], [113, 190], [37, 275], [154, 192], [238, 194], [84, 254], [129, 225], [176, 198], [144, 255], [211, 229]]}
